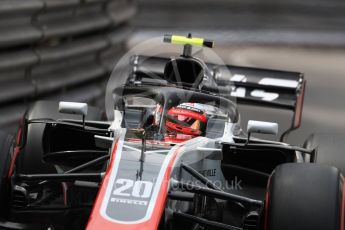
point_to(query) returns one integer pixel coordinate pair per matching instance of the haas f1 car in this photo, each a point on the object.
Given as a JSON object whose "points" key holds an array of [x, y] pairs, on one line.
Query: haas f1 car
{"points": [[173, 157]]}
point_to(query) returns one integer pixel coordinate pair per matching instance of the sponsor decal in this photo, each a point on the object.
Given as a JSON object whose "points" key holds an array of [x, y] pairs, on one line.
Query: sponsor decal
{"points": [[129, 198], [194, 109], [128, 201], [208, 172]]}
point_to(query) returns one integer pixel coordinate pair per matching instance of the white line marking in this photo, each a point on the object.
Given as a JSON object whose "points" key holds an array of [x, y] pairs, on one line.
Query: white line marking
{"points": [[278, 82]]}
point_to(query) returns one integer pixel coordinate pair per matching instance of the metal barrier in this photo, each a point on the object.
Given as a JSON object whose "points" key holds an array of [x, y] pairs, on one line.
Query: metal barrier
{"points": [[53, 49]]}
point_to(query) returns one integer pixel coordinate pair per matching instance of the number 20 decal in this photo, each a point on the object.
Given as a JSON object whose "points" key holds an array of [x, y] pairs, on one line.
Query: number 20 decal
{"points": [[140, 189]]}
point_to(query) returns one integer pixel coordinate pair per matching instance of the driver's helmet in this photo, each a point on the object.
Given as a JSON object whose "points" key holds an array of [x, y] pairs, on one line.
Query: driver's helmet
{"points": [[186, 121]]}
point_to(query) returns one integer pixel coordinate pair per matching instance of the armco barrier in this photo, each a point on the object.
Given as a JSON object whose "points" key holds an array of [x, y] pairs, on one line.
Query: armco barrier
{"points": [[54, 49]]}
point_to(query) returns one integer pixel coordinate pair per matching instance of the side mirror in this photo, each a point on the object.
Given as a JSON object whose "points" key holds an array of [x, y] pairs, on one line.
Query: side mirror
{"points": [[73, 108], [262, 127]]}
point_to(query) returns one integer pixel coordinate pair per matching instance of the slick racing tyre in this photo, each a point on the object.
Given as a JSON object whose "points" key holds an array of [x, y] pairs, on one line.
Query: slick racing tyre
{"points": [[304, 196], [6, 148], [329, 149]]}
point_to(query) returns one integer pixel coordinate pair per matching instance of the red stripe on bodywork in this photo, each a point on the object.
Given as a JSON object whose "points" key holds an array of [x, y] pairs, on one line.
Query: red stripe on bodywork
{"points": [[96, 221], [13, 161], [15, 153]]}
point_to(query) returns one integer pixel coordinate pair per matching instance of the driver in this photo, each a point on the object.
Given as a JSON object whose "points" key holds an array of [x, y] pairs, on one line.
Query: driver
{"points": [[184, 122]]}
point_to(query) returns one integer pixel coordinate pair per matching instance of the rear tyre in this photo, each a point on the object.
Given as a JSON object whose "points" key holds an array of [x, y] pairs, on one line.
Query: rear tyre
{"points": [[304, 196], [6, 148]]}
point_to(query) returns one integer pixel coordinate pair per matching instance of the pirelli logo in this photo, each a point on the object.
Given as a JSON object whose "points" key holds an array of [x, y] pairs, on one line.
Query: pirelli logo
{"points": [[129, 201]]}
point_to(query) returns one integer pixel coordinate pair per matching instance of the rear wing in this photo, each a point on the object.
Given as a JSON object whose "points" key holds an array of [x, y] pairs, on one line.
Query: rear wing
{"points": [[254, 86], [265, 87]]}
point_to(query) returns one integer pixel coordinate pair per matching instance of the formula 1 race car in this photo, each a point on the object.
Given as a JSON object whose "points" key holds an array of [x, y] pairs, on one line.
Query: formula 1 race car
{"points": [[173, 157]]}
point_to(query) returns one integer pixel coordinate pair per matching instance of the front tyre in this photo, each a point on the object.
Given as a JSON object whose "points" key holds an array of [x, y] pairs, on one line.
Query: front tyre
{"points": [[305, 196], [6, 150]]}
